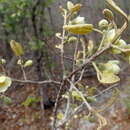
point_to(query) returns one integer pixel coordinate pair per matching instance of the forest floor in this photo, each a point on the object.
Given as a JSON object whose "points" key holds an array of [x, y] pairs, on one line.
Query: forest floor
{"points": [[16, 116]]}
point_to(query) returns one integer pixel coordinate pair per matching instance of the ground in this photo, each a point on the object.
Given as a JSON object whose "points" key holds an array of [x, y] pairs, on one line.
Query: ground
{"points": [[16, 116]]}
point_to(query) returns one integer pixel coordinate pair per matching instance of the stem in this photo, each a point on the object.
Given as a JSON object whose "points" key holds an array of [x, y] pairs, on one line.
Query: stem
{"points": [[98, 31], [101, 44], [22, 68], [80, 93], [62, 48]]}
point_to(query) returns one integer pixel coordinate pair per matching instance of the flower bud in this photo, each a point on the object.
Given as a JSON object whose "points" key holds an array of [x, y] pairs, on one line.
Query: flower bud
{"points": [[103, 24], [108, 14], [28, 63], [16, 48], [79, 28]]}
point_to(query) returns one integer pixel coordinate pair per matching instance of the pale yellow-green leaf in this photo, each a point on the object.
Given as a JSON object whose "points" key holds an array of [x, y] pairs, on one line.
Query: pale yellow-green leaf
{"points": [[60, 116], [76, 8], [2, 79], [58, 35], [2, 61], [72, 39], [112, 68], [70, 5], [117, 62], [114, 6], [19, 62], [16, 48], [103, 24], [90, 47], [5, 83], [59, 46], [105, 76], [109, 35], [76, 95], [78, 20], [79, 55], [79, 28], [28, 63], [121, 44], [108, 78]]}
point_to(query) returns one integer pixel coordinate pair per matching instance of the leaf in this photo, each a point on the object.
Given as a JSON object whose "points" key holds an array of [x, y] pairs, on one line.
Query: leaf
{"points": [[108, 14], [60, 116], [5, 83], [72, 39], [79, 28], [19, 62], [92, 91], [91, 99], [78, 20], [76, 95], [70, 5], [2, 79], [109, 35], [7, 100], [117, 62], [121, 44], [90, 47], [60, 46], [28, 63], [76, 8], [113, 5], [58, 35], [30, 101], [16, 48], [2, 61], [103, 24], [108, 78], [112, 68]]}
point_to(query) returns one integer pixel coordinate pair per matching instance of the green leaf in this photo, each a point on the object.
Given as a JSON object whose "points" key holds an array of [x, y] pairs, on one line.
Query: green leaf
{"points": [[7, 100], [91, 99], [60, 116], [30, 101], [92, 91], [76, 95], [79, 28], [16, 48]]}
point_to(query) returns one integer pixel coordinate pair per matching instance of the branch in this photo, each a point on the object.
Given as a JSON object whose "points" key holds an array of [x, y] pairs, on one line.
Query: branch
{"points": [[36, 82]]}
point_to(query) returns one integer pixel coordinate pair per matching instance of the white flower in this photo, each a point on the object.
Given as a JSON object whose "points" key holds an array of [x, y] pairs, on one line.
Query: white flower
{"points": [[5, 83], [78, 20]]}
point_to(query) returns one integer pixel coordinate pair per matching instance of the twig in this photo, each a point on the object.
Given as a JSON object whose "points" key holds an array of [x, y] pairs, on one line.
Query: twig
{"points": [[80, 93], [62, 43], [55, 107], [36, 82], [105, 90]]}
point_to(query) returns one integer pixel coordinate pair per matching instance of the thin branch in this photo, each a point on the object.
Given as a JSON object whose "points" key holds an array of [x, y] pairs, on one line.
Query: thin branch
{"points": [[82, 96], [62, 43], [37, 82]]}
